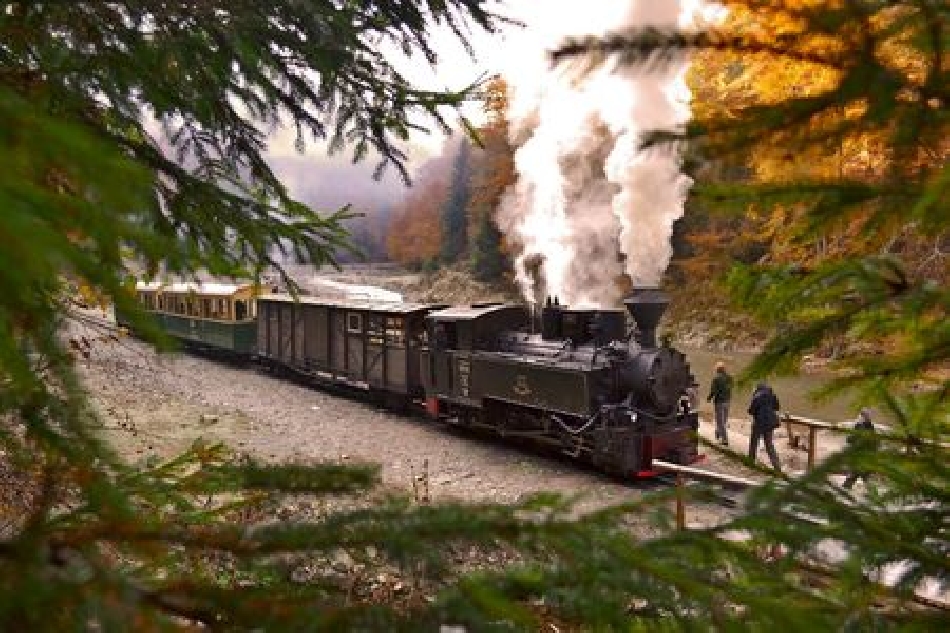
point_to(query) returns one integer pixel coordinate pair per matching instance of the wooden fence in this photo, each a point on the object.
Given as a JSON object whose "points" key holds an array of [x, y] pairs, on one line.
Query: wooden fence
{"points": [[799, 428]]}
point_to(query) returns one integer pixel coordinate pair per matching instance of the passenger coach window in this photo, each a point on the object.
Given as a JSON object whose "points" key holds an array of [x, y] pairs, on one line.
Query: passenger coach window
{"points": [[394, 331], [240, 310], [354, 322]]}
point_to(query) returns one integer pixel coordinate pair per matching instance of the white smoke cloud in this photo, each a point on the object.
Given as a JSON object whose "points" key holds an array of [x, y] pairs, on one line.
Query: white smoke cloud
{"points": [[589, 206]]}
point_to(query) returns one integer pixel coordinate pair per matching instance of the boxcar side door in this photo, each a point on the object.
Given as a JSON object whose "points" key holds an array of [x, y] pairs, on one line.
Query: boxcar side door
{"points": [[375, 349], [286, 334], [354, 343], [338, 339]]}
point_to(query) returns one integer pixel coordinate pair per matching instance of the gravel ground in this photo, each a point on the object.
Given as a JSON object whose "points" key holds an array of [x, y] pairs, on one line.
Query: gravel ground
{"points": [[158, 405]]}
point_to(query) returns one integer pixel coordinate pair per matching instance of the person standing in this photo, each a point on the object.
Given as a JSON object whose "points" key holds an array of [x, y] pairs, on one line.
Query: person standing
{"points": [[720, 393], [864, 430], [764, 411]]}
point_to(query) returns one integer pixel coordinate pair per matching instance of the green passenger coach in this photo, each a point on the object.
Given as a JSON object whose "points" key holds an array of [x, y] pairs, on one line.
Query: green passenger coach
{"points": [[216, 317]]}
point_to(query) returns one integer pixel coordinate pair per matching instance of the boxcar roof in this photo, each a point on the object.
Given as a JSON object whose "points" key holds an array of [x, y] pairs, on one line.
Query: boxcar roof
{"points": [[198, 288], [352, 304], [464, 313]]}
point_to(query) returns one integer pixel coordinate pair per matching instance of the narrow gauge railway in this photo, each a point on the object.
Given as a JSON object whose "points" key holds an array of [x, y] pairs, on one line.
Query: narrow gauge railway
{"points": [[579, 380]]}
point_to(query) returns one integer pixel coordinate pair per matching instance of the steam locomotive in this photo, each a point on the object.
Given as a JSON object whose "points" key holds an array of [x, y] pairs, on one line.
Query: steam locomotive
{"points": [[571, 378]]}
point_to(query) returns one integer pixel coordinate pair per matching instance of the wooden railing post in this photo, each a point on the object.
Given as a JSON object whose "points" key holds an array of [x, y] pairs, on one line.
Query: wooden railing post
{"points": [[680, 507], [812, 437]]}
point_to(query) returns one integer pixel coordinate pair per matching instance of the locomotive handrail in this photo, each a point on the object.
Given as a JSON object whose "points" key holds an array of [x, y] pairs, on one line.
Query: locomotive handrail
{"points": [[583, 427], [593, 357], [565, 346]]}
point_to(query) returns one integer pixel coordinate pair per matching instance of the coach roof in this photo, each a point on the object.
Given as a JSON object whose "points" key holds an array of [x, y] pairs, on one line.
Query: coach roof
{"points": [[466, 313], [198, 288], [350, 304]]}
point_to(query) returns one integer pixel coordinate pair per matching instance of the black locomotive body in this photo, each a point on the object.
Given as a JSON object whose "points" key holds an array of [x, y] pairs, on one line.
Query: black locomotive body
{"points": [[581, 384]]}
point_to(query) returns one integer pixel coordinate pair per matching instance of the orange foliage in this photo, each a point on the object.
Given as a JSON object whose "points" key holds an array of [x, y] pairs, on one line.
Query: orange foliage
{"points": [[494, 166], [415, 234], [724, 83]]}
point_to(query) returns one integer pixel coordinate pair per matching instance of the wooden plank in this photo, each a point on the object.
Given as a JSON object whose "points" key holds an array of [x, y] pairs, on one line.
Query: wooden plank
{"points": [[818, 424], [706, 475]]}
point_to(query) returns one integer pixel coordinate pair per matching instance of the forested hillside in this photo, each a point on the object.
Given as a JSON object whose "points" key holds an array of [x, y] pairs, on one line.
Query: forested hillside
{"points": [[724, 84], [447, 216]]}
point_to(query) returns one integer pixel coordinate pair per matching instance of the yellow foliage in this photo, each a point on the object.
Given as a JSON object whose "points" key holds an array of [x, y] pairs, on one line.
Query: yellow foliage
{"points": [[833, 145], [494, 166]]}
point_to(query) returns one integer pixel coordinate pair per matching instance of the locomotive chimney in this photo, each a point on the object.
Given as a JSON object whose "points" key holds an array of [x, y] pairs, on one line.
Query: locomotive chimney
{"points": [[551, 320], [646, 305]]}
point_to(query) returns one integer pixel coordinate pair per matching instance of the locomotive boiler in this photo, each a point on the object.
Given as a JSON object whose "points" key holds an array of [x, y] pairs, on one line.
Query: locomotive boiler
{"points": [[583, 383]]}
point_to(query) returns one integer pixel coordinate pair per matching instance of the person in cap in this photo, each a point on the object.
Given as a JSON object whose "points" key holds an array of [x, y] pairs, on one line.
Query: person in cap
{"points": [[720, 393]]}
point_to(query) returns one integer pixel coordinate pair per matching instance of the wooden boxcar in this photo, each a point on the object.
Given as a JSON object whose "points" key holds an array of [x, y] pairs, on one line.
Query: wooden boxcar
{"points": [[212, 316], [373, 346]]}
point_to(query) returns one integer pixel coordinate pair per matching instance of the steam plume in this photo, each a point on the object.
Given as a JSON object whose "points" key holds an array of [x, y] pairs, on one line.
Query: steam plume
{"points": [[589, 205]]}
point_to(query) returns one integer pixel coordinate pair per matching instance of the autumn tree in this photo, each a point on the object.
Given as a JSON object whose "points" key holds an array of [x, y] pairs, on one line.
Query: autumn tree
{"points": [[448, 212], [727, 82], [492, 174]]}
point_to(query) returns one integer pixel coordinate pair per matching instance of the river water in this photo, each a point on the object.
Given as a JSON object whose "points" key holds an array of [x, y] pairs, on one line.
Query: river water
{"points": [[792, 391]]}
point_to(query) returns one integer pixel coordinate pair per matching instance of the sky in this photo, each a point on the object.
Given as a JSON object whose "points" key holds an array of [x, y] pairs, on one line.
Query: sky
{"points": [[327, 182], [456, 69]]}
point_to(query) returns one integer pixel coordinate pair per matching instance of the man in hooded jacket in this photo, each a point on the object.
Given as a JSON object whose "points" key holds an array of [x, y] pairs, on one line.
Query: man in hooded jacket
{"points": [[764, 411]]}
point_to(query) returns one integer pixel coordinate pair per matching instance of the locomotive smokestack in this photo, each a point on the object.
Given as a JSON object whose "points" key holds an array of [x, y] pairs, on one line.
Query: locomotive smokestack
{"points": [[646, 305], [551, 320]]}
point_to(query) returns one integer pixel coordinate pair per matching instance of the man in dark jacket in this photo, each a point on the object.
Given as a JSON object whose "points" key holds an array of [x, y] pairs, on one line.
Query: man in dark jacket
{"points": [[863, 435], [764, 411], [720, 393]]}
